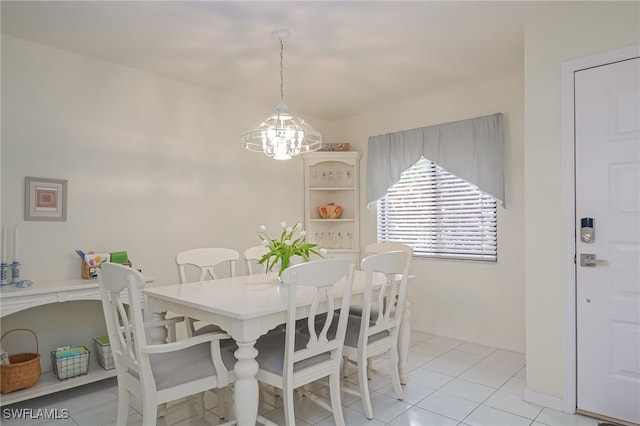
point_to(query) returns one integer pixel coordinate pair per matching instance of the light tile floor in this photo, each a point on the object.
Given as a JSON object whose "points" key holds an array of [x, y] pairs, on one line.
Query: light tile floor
{"points": [[451, 383]]}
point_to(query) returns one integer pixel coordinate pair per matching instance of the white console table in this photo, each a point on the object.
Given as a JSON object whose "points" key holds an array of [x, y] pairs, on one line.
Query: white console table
{"points": [[15, 299]]}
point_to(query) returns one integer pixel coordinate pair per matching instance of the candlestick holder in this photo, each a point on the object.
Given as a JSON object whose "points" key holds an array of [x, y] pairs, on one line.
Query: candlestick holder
{"points": [[15, 272], [4, 276]]}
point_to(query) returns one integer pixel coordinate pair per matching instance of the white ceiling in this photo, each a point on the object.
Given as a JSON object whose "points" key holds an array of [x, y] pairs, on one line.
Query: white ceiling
{"points": [[342, 57]]}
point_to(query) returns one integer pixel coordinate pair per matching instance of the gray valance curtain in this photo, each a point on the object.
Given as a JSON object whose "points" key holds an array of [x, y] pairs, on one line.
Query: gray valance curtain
{"points": [[470, 149]]}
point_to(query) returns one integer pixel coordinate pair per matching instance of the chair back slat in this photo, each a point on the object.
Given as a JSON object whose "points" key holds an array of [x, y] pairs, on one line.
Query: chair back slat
{"points": [[389, 316], [126, 333]]}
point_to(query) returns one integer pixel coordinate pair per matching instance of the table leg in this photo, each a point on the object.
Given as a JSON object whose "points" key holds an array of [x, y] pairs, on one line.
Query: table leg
{"points": [[245, 393], [404, 338]]}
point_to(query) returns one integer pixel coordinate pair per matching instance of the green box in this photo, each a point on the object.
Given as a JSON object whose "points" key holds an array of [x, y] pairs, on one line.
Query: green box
{"points": [[120, 257]]}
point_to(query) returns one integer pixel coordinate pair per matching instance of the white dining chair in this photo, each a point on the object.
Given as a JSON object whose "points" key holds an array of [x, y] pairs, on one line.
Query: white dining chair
{"points": [[155, 374], [291, 359], [204, 261], [252, 256], [369, 336], [207, 260], [377, 248]]}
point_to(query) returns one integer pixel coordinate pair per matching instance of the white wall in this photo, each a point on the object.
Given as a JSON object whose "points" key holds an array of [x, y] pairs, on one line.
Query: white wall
{"points": [[576, 30], [474, 301], [154, 167]]}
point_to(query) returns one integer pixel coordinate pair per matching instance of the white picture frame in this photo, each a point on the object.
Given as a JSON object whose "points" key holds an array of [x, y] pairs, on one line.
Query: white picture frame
{"points": [[45, 199]]}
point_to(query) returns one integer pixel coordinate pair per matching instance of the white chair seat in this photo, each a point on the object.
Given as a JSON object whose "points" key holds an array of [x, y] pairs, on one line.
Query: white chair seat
{"points": [[209, 328], [227, 343], [353, 333], [271, 356], [196, 358], [357, 310]]}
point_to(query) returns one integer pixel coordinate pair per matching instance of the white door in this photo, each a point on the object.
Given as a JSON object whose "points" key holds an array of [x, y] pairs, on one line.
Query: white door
{"points": [[607, 153]]}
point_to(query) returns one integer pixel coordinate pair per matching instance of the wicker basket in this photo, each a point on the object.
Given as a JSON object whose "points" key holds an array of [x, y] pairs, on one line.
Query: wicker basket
{"points": [[23, 370]]}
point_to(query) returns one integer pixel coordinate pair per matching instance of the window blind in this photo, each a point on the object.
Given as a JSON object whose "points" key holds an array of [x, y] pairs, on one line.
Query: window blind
{"points": [[439, 215]]}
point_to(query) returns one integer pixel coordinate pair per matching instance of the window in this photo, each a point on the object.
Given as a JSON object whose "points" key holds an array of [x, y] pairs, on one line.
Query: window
{"points": [[439, 215]]}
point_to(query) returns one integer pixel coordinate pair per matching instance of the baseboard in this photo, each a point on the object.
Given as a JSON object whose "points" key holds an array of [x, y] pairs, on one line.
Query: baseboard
{"points": [[544, 400], [480, 340]]}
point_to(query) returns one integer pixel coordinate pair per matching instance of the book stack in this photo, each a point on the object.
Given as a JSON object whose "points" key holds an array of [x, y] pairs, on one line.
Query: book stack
{"points": [[68, 351]]}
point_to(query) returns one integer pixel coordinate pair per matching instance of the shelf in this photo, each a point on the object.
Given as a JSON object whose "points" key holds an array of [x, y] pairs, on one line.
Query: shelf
{"points": [[15, 299], [49, 384], [333, 188], [332, 220]]}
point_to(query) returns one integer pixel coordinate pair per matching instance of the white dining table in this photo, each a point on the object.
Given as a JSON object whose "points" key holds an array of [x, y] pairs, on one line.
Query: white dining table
{"points": [[247, 307]]}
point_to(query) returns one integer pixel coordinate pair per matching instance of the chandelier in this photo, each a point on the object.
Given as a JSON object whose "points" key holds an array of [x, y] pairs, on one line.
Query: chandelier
{"points": [[282, 135]]}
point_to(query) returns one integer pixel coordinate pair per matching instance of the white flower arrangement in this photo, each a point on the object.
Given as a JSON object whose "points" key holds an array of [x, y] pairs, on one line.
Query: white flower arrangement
{"points": [[283, 249]]}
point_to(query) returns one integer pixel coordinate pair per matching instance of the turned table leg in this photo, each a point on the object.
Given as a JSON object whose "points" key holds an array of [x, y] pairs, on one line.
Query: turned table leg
{"points": [[246, 385]]}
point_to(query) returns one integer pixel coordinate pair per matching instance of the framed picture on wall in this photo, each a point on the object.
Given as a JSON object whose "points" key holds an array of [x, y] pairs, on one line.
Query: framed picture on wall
{"points": [[45, 199]]}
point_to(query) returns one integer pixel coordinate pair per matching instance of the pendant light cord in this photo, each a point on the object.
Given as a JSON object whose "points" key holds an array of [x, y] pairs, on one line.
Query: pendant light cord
{"points": [[281, 75]]}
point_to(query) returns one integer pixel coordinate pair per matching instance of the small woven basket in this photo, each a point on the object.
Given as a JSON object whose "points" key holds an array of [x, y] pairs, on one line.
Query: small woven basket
{"points": [[23, 370]]}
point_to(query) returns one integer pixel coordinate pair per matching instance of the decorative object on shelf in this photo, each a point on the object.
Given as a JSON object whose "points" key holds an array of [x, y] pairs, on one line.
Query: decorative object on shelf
{"points": [[330, 211], [91, 261], [70, 361], [15, 273], [287, 246], [335, 147], [121, 257], [104, 352], [23, 370], [45, 199], [4, 271], [4, 277], [15, 265], [4, 280], [282, 135]]}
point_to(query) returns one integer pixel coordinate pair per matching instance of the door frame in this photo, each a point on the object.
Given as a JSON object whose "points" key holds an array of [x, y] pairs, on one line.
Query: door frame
{"points": [[570, 382]]}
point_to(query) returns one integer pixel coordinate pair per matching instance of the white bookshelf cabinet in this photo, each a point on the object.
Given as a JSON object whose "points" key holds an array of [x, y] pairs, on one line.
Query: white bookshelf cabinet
{"points": [[14, 299], [333, 177]]}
